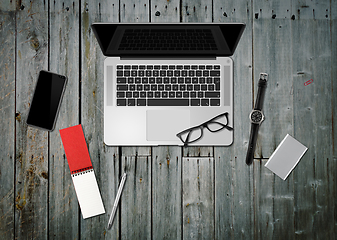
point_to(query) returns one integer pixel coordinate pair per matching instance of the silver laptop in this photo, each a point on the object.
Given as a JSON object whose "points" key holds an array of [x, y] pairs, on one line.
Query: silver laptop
{"points": [[168, 84]]}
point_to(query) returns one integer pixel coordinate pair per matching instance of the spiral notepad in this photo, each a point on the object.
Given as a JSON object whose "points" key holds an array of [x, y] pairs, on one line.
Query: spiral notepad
{"points": [[82, 172]]}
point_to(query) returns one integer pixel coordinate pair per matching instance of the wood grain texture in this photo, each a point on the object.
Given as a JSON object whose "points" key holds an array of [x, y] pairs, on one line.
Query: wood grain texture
{"points": [[313, 178], [31, 184], [196, 11], [64, 59], [295, 40], [7, 119], [135, 203], [272, 38], [104, 158], [135, 11], [334, 98], [166, 193], [198, 198], [234, 180], [165, 11]]}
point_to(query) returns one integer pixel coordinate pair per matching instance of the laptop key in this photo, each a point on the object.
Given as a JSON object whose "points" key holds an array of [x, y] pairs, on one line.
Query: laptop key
{"points": [[141, 102], [204, 102], [120, 94], [122, 87], [195, 102], [131, 102], [121, 102], [121, 80], [215, 102], [212, 94], [168, 102], [214, 73]]}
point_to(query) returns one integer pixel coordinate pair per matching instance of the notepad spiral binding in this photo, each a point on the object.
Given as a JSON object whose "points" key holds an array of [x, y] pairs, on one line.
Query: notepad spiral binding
{"points": [[82, 171]]}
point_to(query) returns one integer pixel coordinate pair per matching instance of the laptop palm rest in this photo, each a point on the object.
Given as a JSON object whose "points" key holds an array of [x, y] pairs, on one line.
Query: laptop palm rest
{"points": [[163, 125]]}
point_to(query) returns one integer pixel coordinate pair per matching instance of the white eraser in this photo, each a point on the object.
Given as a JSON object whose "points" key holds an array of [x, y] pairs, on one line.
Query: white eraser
{"points": [[286, 156]]}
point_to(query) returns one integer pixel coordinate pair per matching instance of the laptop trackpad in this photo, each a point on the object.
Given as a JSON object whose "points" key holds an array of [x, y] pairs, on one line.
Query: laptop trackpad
{"points": [[163, 125]]}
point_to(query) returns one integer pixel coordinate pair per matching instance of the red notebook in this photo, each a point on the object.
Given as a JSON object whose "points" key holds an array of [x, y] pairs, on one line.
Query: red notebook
{"points": [[82, 172]]}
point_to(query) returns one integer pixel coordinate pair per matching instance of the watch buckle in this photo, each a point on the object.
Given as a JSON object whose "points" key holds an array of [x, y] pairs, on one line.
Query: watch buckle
{"points": [[264, 76]]}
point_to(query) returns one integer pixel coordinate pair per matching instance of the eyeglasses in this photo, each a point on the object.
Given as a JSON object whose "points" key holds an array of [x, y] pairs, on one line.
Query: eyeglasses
{"points": [[215, 124]]}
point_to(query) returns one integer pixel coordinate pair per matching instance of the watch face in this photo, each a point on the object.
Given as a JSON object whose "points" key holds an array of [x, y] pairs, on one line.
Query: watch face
{"points": [[256, 116]]}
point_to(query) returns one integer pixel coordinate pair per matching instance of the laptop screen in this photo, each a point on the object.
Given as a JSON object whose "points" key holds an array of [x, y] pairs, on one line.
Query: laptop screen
{"points": [[153, 39]]}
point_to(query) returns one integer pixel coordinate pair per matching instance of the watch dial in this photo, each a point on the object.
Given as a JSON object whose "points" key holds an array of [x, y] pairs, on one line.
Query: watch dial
{"points": [[256, 116]]}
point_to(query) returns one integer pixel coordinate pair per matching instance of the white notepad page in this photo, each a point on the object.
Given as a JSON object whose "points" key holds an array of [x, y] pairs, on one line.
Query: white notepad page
{"points": [[286, 156], [88, 194]]}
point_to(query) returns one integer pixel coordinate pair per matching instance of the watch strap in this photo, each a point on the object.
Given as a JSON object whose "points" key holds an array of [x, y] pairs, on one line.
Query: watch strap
{"points": [[252, 143], [262, 85]]}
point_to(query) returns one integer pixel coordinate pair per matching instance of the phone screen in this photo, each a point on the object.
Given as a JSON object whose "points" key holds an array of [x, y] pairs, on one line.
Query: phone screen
{"points": [[46, 100]]}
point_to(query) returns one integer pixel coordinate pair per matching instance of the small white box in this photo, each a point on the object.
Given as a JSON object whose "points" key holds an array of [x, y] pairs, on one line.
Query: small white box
{"points": [[286, 156]]}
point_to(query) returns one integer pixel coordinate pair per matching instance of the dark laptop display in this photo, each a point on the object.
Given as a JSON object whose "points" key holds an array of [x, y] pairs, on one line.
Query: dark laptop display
{"points": [[168, 39]]}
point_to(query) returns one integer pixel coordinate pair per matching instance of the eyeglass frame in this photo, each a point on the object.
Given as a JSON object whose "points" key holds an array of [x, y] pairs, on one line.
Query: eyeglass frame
{"points": [[202, 126]]}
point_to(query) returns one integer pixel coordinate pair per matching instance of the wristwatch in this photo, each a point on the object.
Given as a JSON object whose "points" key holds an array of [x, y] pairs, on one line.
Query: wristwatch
{"points": [[256, 117]]}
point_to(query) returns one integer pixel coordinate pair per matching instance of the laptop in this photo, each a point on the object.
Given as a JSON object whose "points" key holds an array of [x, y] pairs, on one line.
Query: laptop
{"points": [[168, 84]]}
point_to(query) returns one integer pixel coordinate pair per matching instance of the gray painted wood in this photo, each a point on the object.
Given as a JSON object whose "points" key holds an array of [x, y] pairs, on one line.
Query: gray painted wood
{"points": [[7, 128], [168, 11], [314, 217], [64, 59], [31, 180], [248, 202], [272, 38], [166, 193], [234, 192], [135, 11], [272, 20], [274, 204], [198, 198], [334, 96], [135, 203], [104, 159], [196, 11]]}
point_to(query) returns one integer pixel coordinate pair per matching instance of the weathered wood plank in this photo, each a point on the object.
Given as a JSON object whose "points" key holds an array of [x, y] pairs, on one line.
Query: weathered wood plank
{"points": [[168, 11], [234, 214], [198, 198], [7, 119], [105, 159], [31, 186], [274, 204], [274, 198], [9, 5], [135, 203], [166, 193], [334, 98], [64, 59], [196, 11], [135, 11], [272, 40], [313, 182]]}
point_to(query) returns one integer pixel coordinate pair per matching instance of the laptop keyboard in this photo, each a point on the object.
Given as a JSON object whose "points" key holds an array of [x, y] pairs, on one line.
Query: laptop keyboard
{"points": [[168, 85], [168, 39]]}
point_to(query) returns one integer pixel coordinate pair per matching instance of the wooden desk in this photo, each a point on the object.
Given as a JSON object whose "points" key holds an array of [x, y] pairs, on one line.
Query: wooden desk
{"points": [[172, 192]]}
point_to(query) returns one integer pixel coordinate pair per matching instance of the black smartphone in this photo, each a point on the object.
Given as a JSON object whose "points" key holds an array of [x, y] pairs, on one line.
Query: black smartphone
{"points": [[46, 100]]}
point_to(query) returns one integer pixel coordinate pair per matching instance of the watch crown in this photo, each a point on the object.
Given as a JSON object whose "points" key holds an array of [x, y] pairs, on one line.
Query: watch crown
{"points": [[264, 76]]}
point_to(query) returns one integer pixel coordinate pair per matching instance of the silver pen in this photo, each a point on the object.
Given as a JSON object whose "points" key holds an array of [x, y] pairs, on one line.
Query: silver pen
{"points": [[119, 193]]}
